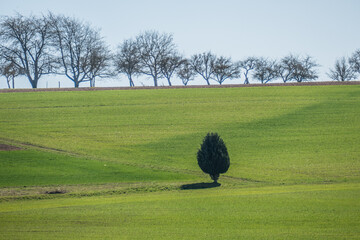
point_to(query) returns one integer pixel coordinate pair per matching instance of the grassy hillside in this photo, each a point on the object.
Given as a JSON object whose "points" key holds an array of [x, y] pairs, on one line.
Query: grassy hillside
{"points": [[121, 157], [275, 135]]}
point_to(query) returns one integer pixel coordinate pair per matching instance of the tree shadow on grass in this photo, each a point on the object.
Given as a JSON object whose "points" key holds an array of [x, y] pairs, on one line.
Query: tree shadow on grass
{"points": [[199, 186]]}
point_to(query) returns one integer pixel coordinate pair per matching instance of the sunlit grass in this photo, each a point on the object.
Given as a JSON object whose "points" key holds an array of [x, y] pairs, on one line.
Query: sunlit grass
{"points": [[289, 212]]}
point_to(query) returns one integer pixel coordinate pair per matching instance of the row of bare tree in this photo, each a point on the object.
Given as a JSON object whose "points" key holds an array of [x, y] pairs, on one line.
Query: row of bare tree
{"points": [[56, 44], [37, 46]]}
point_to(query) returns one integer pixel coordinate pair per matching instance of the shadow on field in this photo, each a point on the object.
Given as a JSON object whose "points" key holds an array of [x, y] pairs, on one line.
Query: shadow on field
{"points": [[200, 186]]}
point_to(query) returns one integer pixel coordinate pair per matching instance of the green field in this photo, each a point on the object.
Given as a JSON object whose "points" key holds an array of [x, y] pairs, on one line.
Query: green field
{"points": [[121, 157]]}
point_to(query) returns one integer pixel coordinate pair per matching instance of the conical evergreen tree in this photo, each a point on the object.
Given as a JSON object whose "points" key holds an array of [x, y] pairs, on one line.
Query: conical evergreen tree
{"points": [[213, 157]]}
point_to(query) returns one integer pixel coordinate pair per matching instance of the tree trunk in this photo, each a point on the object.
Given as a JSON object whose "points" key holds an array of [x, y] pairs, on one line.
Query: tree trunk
{"points": [[76, 83], [246, 79], [169, 81], [215, 177], [131, 82], [92, 82], [155, 81], [8, 82], [34, 83]]}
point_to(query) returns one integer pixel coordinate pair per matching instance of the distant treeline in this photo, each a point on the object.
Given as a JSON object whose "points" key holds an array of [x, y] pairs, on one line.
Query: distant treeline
{"points": [[56, 44]]}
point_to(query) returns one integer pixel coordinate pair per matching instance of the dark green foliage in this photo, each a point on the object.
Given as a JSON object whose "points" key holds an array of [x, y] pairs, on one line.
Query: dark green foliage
{"points": [[213, 157]]}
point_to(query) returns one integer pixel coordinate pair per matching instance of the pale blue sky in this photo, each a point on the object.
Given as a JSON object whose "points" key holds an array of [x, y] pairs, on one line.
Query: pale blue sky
{"points": [[324, 29]]}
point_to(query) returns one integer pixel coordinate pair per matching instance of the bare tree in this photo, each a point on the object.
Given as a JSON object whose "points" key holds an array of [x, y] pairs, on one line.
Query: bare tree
{"points": [[355, 61], [185, 72], [265, 70], [342, 71], [248, 65], [170, 64], [127, 60], [287, 67], [225, 69], [296, 68], [10, 71], [154, 48], [203, 64], [100, 63], [76, 43], [305, 70], [25, 42]]}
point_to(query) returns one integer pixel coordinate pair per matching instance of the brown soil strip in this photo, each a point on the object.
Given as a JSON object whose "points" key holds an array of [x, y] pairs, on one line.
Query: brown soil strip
{"points": [[5, 147]]}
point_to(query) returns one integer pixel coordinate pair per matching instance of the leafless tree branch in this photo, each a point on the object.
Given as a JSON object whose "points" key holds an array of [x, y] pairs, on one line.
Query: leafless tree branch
{"points": [[127, 60], [170, 64], [248, 65], [265, 70], [342, 71], [80, 49], [203, 64], [154, 48], [225, 69], [185, 72], [25, 42], [355, 61]]}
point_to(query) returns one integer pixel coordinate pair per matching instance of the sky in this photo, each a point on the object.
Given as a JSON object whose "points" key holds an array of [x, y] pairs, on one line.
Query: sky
{"points": [[323, 29]]}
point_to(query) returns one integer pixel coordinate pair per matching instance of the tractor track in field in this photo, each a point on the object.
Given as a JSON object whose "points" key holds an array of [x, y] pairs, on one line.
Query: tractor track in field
{"points": [[18, 145], [180, 87]]}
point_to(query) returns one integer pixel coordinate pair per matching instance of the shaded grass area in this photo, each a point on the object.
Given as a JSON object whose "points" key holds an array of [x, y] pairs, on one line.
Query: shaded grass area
{"points": [[288, 212], [36, 168], [200, 185]]}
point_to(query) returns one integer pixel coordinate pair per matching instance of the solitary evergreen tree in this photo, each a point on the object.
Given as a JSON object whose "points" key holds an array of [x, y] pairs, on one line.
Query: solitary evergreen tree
{"points": [[213, 157]]}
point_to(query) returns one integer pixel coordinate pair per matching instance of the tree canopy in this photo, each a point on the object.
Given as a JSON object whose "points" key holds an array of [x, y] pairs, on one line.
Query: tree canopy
{"points": [[213, 157]]}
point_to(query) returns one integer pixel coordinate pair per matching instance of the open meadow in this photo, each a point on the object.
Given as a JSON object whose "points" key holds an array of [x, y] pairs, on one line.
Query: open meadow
{"points": [[118, 160]]}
